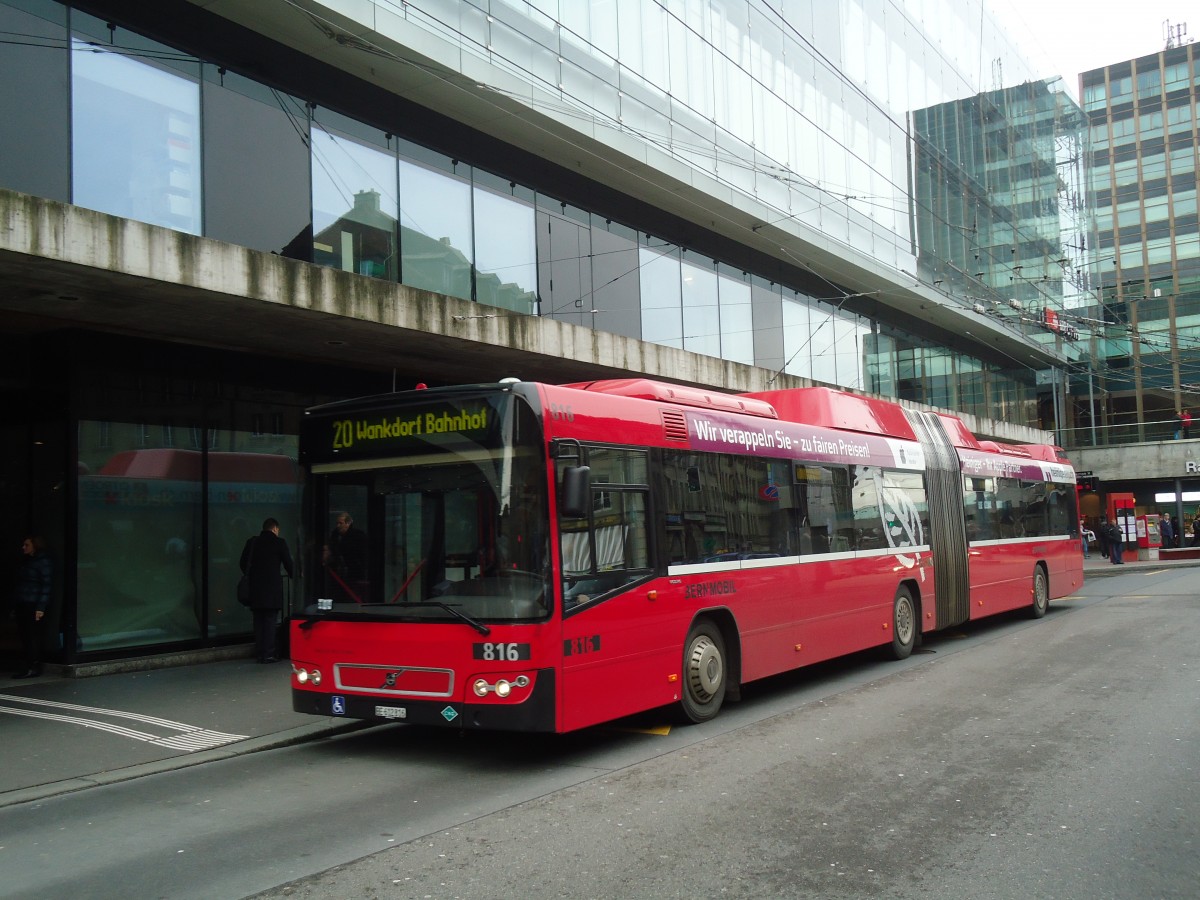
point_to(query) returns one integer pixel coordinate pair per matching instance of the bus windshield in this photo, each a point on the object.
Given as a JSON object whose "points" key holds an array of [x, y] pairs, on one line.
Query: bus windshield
{"points": [[458, 515]]}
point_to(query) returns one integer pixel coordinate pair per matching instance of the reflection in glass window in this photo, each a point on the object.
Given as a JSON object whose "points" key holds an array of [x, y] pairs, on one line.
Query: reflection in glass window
{"points": [[616, 466], [257, 163], [822, 343], [826, 513], [141, 538], [848, 350], [135, 139], [1024, 508], [564, 263], [505, 252], [616, 280], [737, 320], [139, 542], [662, 315], [435, 230], [979, 505], [354, 206], [890, 509], [701, 316], [723, 508], [797, 335], [612, 553], [245, 488], [611, 548]]}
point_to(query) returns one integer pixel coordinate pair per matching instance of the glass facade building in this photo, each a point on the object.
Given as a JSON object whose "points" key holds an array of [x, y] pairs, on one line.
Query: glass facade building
{"points": [[1145, 358], [837, 192]]}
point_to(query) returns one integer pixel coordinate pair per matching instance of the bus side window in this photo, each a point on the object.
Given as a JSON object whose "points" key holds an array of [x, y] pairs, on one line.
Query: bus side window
{"points": [[806, 541], [603, 525]]}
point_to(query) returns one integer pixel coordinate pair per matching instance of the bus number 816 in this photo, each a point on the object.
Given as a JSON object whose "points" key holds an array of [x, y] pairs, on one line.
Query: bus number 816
{"points": [[500, 652]]}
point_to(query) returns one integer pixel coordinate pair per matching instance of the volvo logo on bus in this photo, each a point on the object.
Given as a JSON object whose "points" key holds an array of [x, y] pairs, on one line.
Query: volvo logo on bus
{"points": [[389, 680]]}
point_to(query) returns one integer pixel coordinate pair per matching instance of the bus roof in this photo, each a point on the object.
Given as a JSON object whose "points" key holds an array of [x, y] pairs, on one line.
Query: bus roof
{"points": [[645, 389], [819, 406], [838, 409]]}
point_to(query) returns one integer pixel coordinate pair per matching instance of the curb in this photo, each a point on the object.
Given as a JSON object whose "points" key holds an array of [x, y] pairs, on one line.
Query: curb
{"points": [[1108, 569], [301, 735]]}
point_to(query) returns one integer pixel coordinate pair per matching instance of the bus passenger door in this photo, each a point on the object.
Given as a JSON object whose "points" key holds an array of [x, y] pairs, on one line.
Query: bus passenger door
{"points": [[615, 634]]}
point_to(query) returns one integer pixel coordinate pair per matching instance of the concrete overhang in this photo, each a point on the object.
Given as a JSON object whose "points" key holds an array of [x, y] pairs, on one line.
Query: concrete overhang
{"points": [[1148, 461], [63, 266]]}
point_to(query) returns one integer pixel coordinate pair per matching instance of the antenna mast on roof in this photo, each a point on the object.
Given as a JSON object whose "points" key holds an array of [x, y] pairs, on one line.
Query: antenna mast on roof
{"points": [[1176, 35]]}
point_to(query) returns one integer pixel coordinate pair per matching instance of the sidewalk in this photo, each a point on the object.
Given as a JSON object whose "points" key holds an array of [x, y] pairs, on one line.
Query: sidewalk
{"points": [[66, 734], [1096, 566]]}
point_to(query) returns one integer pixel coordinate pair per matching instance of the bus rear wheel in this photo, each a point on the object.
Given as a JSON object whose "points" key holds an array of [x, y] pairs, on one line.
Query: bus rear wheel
{"points": [[704, 672], [1041, 593], [904, 624]]}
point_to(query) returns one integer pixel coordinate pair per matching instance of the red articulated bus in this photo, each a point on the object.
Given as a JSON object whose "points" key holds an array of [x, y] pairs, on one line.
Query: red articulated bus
{"points": [[535, 557]]}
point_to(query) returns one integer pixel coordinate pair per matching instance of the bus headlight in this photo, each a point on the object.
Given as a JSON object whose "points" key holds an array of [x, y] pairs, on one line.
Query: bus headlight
{"points": [[503, 688], [304, 676]]}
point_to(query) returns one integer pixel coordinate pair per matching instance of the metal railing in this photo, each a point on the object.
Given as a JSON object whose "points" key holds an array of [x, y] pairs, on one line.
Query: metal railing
{"points": [[1122, 433]]}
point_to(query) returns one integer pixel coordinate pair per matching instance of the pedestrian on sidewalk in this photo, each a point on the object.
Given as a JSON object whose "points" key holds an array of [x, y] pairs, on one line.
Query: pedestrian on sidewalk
{"points": [[1083, 536], [1196, 529], [261, 560], [1102, 536], [1116, 543], [32, 602], [1166, 530]]}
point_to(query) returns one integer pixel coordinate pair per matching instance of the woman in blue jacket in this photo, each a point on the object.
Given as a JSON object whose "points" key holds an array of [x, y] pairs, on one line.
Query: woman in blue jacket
{"points": [[32, 601]]}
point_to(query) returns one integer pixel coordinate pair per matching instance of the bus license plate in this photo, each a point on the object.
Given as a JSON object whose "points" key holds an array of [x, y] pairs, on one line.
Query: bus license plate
{"points": [[391, 712]]}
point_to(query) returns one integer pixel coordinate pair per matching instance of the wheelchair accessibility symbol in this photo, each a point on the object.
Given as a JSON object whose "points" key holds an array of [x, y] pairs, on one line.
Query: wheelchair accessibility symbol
{"points": [[339, 706]]}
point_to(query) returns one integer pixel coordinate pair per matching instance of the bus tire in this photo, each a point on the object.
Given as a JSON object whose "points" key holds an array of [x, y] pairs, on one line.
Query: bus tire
{"points": [[904, 624], [1041, 593], [705, 669]]}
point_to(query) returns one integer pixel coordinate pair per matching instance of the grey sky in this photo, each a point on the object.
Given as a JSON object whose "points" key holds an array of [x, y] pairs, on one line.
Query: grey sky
{"points": [[1079, 35]]}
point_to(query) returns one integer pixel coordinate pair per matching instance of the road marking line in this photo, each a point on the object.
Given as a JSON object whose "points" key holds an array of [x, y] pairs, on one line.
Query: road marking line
{"points": [[99, 710], [660, 730], [191, 738]]}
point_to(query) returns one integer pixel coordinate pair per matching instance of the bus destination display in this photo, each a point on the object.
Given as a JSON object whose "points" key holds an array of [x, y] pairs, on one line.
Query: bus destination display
{"points": [[356, 434]]}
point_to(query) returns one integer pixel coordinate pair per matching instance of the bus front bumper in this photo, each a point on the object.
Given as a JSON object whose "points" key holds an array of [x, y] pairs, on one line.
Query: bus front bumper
{"points": [[535, 713]]}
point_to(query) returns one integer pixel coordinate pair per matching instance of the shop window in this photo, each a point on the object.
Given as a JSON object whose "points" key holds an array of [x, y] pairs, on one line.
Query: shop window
{"points": [[141, 567]]}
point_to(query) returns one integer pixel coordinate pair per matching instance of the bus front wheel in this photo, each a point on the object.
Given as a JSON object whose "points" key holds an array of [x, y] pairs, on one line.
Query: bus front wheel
{"points": [[904, 624], [704, 672]]}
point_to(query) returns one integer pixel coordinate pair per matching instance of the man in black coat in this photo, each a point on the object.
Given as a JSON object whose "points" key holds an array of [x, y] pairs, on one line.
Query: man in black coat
{"points": [[345, 557], [261, 558]]}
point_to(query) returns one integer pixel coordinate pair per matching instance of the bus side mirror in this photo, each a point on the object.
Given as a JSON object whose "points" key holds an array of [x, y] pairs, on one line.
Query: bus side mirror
{"points": [[575, 492]]}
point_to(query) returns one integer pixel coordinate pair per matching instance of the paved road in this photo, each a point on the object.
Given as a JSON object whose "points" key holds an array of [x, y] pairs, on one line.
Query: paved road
{"points": [[1018, 759], [1054, 761]]}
